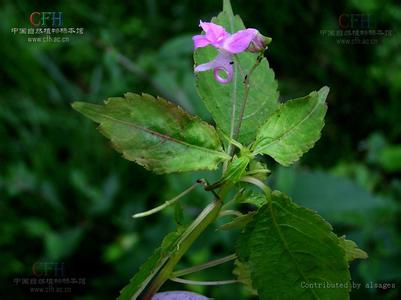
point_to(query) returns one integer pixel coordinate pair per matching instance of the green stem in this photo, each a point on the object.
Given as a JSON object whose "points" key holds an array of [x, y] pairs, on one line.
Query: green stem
{"points": [[245, 99], [258, 171], [194, 282], [230, 212], [239, 65], [266, 190], [229, 12], [204, 266], [166, 203], [205, 218], [230, 140]]}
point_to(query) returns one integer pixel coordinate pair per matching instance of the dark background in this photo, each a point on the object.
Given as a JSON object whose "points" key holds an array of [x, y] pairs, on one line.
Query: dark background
{"points": [[66, 198]]}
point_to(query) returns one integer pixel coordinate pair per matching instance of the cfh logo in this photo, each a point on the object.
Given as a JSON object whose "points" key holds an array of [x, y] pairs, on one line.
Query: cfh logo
{"points": [[354, 21], [46, 19], [55, 269]]}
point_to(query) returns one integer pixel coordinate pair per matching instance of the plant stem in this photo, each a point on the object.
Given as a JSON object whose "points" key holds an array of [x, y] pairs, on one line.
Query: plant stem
{"points": [[207, 216], [239, 65], [166, 203], [230, 212], [219, 282], [245, 100], [258, 171], [203, 266], [266, 190]]}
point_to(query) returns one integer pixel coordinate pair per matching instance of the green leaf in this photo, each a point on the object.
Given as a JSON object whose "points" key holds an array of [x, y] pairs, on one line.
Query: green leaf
{"points": [[250, 196], [236, 169], [293, 129], [142, 278], [289, 248], [62, 244], [390, 158], [243, 274], [337, 199], [156, 133], [258, 170], [351, 249], [150, 268], [238, 222], [224, 101]]}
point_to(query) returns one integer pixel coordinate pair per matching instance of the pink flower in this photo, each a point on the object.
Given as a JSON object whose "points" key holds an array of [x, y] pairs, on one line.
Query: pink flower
{"points": [[178, 295], [227, 45]]}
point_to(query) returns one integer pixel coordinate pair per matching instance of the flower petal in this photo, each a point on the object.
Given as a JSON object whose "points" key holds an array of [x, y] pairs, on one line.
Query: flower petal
{"points": [[178, 295], [239, 41], [221, 60], [222, 63], [207, 66], [214, 33], [228, 71], [200, 41]]}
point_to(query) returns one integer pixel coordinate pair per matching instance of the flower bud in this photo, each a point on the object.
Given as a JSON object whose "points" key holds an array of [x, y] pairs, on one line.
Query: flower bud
{"points": [[259, 43]]}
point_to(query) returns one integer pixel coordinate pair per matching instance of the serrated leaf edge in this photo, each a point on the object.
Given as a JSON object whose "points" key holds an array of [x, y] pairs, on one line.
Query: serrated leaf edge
{"points": [[305, 148]]}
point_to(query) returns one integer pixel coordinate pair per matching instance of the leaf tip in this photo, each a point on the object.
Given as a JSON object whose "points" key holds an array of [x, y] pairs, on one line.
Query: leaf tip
{"points": [[227, 7], [323, 92], [352, 251], [77, 105]]}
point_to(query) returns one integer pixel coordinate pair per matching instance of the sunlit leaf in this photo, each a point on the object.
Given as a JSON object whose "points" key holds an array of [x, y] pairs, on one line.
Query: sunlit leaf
{"points": [[156, 133], [236, 169], [293, 129]]}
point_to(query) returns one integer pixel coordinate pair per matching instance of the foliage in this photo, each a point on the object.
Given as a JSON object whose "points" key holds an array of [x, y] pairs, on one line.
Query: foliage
{"points": [[288, 247], [283, 244], [263, 95], [293, 128], [66, 197], [156, 134]]}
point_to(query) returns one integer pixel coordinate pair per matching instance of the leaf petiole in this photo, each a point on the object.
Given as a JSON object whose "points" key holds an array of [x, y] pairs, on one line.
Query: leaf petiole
{"points": [[258, 171], [230, 212], [230, 140], [266, 190], [166, 203], [204, 266], [194, 282]]}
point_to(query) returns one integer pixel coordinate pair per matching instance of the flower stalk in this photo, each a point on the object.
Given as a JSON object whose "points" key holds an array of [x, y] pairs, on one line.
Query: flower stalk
{"points": [[204, 266], [245, 98], [198, 226]]}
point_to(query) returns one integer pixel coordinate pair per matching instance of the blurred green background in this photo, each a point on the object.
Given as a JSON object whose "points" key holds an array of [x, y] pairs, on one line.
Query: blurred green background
{"points": [[66, 198]]}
